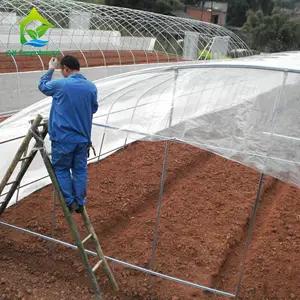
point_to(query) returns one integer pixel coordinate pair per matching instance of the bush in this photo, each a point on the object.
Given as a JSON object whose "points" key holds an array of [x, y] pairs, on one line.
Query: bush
{"points": [[204, 56]]}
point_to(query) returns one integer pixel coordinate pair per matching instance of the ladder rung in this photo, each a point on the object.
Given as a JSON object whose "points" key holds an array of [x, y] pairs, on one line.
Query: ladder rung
{"points": [[97, 265], [88, 237], [24, 158], [12, 182]]}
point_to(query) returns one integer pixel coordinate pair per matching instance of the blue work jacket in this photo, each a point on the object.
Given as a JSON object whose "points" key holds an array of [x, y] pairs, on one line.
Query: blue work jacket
{"points": [[73, 105]]}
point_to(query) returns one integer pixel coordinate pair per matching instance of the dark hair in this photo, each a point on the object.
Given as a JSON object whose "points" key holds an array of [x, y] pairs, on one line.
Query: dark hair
{"points": [[71, 62]]}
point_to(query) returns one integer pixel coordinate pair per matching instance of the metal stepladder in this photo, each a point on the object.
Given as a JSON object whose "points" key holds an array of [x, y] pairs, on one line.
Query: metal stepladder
{"points": [[39, 136]]}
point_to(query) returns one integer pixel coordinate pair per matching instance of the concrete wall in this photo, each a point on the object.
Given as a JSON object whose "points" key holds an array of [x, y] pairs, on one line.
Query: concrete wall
{"points": [[75, 39], [8, 18], [72, 38]]}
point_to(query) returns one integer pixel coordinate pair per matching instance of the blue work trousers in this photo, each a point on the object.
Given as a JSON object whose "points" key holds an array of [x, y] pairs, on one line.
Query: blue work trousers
{"points": [[66, 158]]}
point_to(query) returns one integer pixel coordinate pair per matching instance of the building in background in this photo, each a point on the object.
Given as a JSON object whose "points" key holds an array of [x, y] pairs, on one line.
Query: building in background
{"points": [[209, 11]]}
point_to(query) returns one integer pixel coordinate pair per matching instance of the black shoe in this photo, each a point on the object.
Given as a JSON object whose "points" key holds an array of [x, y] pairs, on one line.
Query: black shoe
{"points": [[73, 207], [80, 209]]}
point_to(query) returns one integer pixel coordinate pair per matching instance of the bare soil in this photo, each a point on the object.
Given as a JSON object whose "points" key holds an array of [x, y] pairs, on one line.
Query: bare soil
{"points": [[19, 63], [206, 209]]}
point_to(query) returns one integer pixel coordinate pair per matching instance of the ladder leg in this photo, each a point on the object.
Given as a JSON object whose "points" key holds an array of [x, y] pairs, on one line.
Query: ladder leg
{"points": [[99, 251], [72, 226], [19, 153], [23, 170], [22, 165]]}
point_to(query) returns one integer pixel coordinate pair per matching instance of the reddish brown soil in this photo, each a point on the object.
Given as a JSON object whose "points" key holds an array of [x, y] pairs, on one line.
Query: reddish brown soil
{"points": [[93, 59], [2, 119], [206, 207]]}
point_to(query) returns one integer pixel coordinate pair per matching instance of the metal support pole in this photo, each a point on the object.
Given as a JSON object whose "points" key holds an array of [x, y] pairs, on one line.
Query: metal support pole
{"points": [[162, 184], [249, 234], [53, 219], [101, 145]]}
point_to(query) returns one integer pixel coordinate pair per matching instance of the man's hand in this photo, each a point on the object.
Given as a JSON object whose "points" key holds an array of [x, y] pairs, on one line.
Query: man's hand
{"points": [[53, 63]]}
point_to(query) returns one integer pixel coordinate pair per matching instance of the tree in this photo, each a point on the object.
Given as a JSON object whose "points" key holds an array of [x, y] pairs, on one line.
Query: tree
{"points": [[237, 12], [289, 4], [277, 32]]}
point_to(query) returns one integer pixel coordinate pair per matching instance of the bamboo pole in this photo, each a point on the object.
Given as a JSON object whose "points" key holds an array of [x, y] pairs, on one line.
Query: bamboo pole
{"points": [[99, 251], [72, 226]]}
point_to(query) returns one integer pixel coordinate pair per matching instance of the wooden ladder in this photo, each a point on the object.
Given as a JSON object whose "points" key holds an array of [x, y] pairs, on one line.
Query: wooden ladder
{"points": [[39, 136]]}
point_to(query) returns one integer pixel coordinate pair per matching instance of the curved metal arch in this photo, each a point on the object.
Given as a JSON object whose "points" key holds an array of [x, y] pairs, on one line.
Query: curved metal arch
{"points": [[53, 20], [17, 71], [145, 16], [203, 28], [19, 10], [104, 58], [126, 19], [179, 24], [132, 22], [104, 8], [175, 23], [140, 98], [108, 24], [12, 26]]}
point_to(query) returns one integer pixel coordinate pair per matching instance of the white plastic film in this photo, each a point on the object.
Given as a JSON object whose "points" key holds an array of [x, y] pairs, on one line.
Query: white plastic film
{"points": [[243, 110]]}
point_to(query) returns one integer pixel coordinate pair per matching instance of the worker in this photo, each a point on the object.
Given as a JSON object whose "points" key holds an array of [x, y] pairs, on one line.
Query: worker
{"points": [[70, 124]]}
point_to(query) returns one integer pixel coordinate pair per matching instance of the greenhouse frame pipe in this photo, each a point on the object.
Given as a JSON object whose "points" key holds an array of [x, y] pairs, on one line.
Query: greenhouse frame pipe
{"points": [[106, 23], [111, 107], [162, 184], [196, 144], [139, 99], [141, 105], [11, 140], [250, 230], [108, 38], [53, 218], [161, 192], [125, 19], [16, 66], [229, 66], [181, 22], [56, 22], [144, 16], [188, 283], [18, 10], [63, 30], [8, 39]]}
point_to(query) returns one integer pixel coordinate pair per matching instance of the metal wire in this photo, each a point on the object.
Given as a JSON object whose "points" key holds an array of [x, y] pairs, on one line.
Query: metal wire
{"points": [[47, 176], [47, 238]]}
